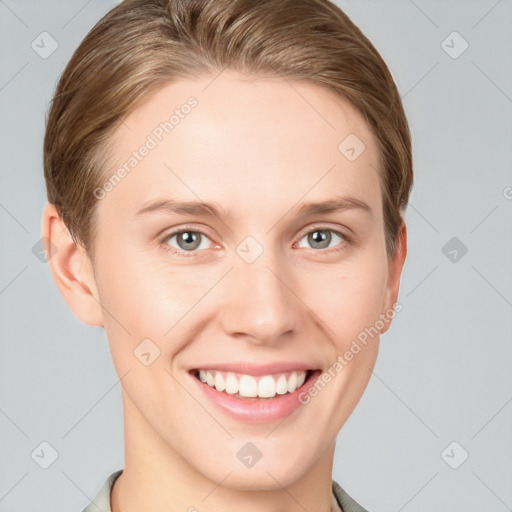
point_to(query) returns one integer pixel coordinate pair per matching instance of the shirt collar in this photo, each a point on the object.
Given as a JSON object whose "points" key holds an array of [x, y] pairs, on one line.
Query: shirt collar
{"points": [[101, 502]]}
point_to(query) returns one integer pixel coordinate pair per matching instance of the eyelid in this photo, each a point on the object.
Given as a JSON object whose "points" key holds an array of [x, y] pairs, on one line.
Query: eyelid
{"points": [[347, 239], [322, 226], [176, 231]]}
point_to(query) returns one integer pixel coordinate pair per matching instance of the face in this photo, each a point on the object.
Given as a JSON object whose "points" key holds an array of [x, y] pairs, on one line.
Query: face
{"points": [[258, 292]]}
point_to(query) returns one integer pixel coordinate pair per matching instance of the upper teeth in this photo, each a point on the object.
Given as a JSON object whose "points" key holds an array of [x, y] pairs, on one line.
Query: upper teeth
{"points": [[265, 386]]}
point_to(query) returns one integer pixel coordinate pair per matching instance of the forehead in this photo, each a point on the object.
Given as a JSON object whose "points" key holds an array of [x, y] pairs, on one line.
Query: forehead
{"points": [[241, 141]]}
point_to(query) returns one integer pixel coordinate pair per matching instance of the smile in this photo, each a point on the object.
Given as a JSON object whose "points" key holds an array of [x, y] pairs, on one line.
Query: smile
{"points": [[253, 393], [248, 386]]}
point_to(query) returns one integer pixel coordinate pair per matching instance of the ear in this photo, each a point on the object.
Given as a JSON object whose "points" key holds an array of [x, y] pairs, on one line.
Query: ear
{"points": [[395, 271], [71, 268]]}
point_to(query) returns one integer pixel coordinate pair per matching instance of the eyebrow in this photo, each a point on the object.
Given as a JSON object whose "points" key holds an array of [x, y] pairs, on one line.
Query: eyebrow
{"points": [[201, 208], [183, 207], [334, 205]]}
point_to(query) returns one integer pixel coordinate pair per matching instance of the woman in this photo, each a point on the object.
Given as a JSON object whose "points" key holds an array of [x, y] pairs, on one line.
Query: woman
{"points": [[226, 185]]}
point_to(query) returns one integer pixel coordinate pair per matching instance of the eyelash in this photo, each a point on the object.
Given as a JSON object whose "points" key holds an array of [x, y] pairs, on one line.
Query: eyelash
{"points": [[346, 240]]}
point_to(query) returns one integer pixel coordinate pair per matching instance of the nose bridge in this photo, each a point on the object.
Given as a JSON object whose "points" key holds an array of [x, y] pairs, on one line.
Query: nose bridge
{"points": [[258, 302]]}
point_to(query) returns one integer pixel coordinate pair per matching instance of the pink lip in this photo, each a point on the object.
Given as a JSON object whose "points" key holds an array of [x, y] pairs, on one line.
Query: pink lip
{"points": [[255, 369], [259, 410]]}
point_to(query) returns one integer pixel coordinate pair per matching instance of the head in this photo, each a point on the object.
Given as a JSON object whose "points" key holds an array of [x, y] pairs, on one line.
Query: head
{"points": [[257, 110]]}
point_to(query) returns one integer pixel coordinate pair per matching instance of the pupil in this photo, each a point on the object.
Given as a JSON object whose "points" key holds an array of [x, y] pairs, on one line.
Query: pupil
{"points": [[322, 238], [190, 240]]}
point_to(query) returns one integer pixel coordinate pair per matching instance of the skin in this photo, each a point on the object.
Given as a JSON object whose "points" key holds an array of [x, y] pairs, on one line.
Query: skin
{"points": [[261, 149]]}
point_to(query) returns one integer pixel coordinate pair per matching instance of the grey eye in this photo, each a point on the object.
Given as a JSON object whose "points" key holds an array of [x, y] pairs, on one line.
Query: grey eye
{"points": [[188, 240], [321, 238]]}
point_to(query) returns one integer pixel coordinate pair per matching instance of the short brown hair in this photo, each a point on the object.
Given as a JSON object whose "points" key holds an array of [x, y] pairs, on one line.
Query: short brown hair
{"points": [[141, 45]]}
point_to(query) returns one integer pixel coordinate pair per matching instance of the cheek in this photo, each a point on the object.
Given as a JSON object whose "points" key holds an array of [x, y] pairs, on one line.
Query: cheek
{"points": [[145, 297], [348, 299]]}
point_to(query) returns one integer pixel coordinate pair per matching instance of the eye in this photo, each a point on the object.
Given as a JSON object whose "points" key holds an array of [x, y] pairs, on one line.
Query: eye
{"points": [[191, 241], [321, 238], [186, 240]]}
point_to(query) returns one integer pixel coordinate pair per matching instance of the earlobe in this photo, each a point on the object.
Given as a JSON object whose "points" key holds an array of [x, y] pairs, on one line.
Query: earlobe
{"points": [[71, 269], [395, 272]]}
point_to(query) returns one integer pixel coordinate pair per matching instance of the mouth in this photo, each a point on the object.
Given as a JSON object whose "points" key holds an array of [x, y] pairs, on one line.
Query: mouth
{"points": [[247, 387]]}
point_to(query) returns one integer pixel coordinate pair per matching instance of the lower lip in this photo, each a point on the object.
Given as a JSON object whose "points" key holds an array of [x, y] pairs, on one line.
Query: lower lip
{"points": [[256, 411]]}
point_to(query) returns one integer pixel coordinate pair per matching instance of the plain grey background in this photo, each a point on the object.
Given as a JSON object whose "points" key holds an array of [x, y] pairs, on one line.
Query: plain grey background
{"points": [[434, 428]]}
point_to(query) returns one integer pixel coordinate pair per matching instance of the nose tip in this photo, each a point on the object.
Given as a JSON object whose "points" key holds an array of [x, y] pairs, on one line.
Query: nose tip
{"points": [[259, 304]]}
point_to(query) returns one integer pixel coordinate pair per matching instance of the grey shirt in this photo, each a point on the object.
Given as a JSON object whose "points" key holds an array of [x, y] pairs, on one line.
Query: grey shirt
{"points": [[101, 502]]}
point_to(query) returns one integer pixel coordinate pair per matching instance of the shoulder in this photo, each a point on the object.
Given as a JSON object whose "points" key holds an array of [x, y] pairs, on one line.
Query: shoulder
{"points": [[346, 502], [101, 502]]}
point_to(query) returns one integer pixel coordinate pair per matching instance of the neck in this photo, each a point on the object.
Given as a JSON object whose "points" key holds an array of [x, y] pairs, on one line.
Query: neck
{"points": [[157, 478]]}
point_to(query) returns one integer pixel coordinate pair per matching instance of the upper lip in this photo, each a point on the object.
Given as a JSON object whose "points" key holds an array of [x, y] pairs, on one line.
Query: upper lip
{"points": [[256, 370]]}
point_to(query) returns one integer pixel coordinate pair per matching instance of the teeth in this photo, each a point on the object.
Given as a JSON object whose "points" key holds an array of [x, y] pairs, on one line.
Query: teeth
{"points": [[282, 385], [220, 385], [231, 384], [266, 386], [247, 386], [292, 382]]}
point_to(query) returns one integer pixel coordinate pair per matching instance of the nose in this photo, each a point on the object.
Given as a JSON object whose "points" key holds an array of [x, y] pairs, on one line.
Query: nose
{"points": [[260, 304]]}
